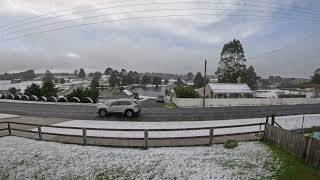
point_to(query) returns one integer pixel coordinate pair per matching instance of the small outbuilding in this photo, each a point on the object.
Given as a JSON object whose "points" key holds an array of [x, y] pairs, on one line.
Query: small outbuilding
{"points": [[227, 90]]}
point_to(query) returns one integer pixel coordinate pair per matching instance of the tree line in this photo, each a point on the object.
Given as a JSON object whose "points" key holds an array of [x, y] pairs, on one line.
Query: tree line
{"points": [[48, 89], [24, 76]]}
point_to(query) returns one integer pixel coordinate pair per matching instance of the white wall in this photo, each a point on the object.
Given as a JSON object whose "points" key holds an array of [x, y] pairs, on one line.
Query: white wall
{"points": [[197, 102]]}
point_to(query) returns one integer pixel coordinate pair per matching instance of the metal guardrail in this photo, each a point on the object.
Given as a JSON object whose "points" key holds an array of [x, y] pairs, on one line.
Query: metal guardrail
{"points": [[146, 138]]}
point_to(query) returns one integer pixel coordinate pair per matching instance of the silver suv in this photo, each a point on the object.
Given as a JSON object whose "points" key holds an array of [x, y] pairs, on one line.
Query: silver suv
{"points": [[129, 107]]}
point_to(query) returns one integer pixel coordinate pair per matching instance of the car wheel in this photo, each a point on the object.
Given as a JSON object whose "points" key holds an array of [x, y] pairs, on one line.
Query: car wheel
{"points": [[129, 113], [103, 112]]}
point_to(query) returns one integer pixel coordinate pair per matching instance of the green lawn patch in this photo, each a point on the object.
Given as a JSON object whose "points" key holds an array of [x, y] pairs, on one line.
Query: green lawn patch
{"points": [[292, 166], [169, 105]]}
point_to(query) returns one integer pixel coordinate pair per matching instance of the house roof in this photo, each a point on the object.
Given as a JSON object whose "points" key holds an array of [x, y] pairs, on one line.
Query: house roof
{"points": [[229, 88], [127, 92]]}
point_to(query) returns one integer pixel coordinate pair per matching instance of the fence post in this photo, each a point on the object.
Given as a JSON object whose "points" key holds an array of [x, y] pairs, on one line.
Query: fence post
{"points": [[9, 129], [146, 138], [272, 120], [39, 132], [267, 120], [259, 133], [84, 135], [210, 137]]}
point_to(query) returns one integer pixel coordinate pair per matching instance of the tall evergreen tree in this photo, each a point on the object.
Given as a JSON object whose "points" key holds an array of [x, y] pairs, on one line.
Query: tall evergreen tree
{"points": [[250, 78], [48, 89], [123, 73], [13, 90], [190, 76], [108, 71], [48, 76], [146, 80], [232, 62], [115, 79], [82, 74], [33, 89], [316, 76], [198, 81]]}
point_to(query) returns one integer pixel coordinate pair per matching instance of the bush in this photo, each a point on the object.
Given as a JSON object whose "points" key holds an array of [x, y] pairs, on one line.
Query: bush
{"points": [[43, 99], [87, 100], [52, 99], [17, 97], [10, 96], [186, 92], [25, 98], [33, 89], [81, 93], [33, 98], [62, 99], [13, 90], [230, 144]]}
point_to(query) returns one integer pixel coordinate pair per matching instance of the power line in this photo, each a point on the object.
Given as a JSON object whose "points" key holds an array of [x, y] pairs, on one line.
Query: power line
{"points": [[104, 3], [145, 4], [56, 12], [134, 18], [139, 11]]}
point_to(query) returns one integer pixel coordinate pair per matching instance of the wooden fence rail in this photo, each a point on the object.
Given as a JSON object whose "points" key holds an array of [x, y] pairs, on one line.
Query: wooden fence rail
{"points": [[84, 136], [304, 147]]}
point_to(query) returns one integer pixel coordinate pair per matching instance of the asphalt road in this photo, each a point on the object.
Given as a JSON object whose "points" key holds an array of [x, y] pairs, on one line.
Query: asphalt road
{"points": [[157, 114]]}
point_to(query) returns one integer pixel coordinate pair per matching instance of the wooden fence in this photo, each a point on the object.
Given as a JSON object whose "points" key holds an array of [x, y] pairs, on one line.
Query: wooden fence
{"points": [[304, 147], [24, 130]]}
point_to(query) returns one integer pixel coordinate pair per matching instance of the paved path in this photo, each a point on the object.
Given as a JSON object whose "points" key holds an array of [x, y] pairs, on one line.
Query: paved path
{"points": [[157, 114]]}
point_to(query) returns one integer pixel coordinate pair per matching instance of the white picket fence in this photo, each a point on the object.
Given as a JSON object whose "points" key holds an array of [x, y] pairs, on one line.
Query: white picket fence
{"points": [[198, 102]]}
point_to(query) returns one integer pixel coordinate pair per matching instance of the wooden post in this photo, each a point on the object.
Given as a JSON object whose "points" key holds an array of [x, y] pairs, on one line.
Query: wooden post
{"points": [[272, 120], [259, 133], [267, 120], [9, 129], [84, 135], [210, 137], [302, 124], [39, 132], [146, 138]]}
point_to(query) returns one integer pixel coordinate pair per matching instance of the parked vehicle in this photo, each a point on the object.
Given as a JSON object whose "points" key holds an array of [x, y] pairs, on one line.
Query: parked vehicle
{"points": [[129, 107], [160, 99]]}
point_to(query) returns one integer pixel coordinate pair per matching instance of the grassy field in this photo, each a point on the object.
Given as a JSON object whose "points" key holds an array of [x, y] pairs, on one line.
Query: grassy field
{"points": [[293, 167]]}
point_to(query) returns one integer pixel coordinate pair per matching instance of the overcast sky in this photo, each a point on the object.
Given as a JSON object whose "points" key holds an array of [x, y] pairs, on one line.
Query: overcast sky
{"points": [[279, 37]]}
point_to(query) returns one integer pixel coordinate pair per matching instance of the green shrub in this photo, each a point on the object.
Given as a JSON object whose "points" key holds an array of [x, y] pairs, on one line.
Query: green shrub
{"points": [[185, 92], [82, 93], [230, 144]]}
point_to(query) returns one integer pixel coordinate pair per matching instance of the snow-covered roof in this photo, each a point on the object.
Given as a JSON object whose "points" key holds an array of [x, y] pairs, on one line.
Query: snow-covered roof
{"points": [[127, 92], [229, 88]]}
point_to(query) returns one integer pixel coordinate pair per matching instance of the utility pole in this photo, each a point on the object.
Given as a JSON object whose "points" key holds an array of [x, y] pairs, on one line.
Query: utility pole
{"points": [[204, 83]]}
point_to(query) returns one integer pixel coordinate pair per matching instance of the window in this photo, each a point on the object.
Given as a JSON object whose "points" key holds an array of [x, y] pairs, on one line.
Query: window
{"points": [[124, 103], [116, 103]]}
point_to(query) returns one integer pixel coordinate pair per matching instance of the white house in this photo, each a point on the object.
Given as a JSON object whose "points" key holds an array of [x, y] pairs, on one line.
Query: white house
{"points": [[227, 90]]}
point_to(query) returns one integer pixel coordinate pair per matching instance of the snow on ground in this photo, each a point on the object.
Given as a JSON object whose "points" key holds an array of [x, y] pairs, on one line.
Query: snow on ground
{"points": [[7, 116], [22, 158], [287, 122]]}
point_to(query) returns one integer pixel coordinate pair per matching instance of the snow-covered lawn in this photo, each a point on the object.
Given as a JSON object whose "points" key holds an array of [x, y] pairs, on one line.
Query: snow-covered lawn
{"points": [[29, 159], [7, 116], [287, 122]]}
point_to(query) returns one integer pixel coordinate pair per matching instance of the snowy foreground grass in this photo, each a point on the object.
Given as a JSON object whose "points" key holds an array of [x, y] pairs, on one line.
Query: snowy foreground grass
{"points": [[22, 158]]}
